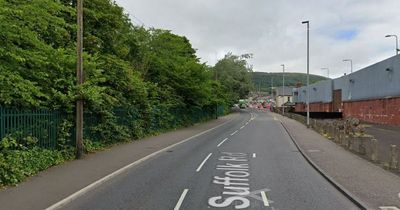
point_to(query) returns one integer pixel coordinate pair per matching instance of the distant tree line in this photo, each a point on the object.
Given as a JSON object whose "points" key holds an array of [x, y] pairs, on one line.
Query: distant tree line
{"points": [[263, 80]]}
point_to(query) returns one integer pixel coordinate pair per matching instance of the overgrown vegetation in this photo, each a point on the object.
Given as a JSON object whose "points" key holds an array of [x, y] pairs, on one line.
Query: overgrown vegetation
{"points": [[152, 75], [20, 159]]}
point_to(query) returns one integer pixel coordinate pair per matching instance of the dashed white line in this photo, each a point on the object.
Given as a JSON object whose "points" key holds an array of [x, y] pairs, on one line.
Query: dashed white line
{"points": [[265, 199], [222, 142], [241, 127], [388, 208], [254, 155], [202, 163], [180, 201], [234, 133]]}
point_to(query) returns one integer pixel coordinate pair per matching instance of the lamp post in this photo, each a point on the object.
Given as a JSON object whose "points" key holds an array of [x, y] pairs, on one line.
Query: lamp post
{"points": [[283, 89], [351, 64], [308, 72], [272, 85], [327, 69], [79, 76], [397, 43]]}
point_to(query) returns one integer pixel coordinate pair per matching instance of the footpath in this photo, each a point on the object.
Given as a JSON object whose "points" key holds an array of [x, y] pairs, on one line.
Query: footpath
{"points": [[59, 182], [387, 136], [366, 182]]}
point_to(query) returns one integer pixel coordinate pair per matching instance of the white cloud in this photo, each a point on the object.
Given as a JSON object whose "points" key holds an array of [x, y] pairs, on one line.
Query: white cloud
{"points": [[273, 32]]}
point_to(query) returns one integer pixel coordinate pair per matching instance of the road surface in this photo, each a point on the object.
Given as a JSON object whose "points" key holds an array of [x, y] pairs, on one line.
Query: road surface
{"points": [[248, 163]]}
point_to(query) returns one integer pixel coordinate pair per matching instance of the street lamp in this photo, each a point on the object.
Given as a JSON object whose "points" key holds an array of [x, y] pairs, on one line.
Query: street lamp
{"points": [[308, 71], [351, 64], [283, 89], [397, 43], [327, 69]]}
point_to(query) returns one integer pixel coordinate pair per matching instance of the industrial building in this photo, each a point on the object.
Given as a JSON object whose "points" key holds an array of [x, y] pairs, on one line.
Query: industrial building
{"points": [[371, 94]]}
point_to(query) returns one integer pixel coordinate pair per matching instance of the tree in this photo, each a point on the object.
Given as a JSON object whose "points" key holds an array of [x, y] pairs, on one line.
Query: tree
{"points": [[234, 75]]}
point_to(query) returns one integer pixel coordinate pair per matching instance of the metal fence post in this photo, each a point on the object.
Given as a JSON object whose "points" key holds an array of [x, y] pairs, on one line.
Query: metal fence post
{"points": [[2, 126]]}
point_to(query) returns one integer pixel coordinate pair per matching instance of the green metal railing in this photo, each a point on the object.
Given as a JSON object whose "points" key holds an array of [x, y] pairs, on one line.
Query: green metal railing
{"points": [[41, 124], [44, 125]]}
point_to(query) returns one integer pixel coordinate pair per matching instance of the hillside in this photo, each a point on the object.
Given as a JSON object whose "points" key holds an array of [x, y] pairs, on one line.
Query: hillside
{"points": [[263, 79]]}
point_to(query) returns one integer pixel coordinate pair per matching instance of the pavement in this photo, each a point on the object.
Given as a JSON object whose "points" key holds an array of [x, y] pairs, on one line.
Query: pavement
{"points": [[364, 181], [386, 135], [246, 160]]}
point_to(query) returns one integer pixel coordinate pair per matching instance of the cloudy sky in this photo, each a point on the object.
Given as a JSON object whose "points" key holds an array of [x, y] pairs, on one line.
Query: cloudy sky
{"points": [[272, 30]]}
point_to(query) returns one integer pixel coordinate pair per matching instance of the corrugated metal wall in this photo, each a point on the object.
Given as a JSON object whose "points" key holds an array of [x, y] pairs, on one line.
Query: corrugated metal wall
{"points": [[380, 80], [320, 92]]}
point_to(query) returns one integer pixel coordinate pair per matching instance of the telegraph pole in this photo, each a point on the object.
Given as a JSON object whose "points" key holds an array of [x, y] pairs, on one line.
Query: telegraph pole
{"points": [[216, 80], [79, 77]]}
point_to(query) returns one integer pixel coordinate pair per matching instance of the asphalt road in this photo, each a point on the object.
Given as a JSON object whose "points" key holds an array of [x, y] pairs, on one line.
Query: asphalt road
{"points": [[248, 163]]}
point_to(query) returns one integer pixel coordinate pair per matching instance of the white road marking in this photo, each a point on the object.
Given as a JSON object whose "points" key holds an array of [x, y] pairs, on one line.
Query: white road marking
{"points": [[254, 155], [180, 201], [202, 163], [222, 142], [97, 183], [265, 199], [313, 150], [241, 127], [234, 133], [247, 122], [389, 208]]}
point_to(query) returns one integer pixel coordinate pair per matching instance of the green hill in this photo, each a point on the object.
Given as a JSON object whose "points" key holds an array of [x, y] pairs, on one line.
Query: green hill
{"points": [[263, 80]]}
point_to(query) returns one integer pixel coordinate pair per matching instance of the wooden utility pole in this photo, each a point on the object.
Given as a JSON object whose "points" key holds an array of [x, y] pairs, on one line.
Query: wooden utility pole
{"points": [[79, 77], [216, 105]]}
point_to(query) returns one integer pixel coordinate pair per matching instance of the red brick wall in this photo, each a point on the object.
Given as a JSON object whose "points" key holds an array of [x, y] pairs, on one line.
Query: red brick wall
{"points": [[383, 111], [320, 107], [300, 107], [314, 107]]}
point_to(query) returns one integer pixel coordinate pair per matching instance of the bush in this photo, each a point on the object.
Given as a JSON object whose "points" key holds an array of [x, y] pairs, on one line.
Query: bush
{"points": [[19, 160], [17, 165]]}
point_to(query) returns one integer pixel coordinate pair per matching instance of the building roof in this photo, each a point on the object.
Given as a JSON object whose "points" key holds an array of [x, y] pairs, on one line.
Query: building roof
{"points": [[288, 91]]}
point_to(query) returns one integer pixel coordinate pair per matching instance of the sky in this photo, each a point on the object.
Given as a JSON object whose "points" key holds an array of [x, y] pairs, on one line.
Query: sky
{"points": [[272, 31]]}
